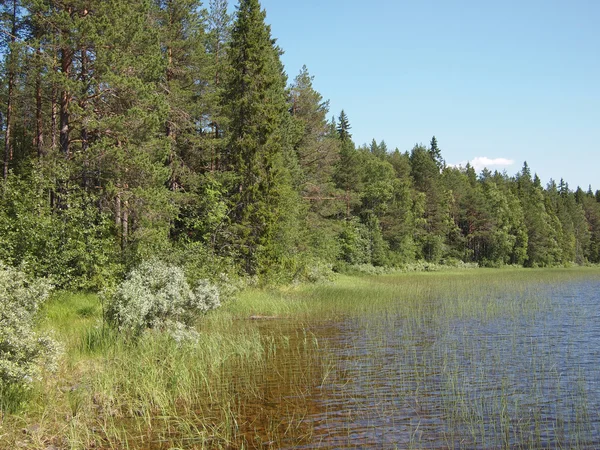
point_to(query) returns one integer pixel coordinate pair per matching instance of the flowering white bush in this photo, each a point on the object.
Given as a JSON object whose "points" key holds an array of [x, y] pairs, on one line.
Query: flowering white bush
{"points": [[23, 352], [157, 295], [206, 297]]}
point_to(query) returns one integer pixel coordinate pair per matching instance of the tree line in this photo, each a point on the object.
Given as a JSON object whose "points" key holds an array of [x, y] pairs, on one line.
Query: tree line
{"points": [[169, 129]]}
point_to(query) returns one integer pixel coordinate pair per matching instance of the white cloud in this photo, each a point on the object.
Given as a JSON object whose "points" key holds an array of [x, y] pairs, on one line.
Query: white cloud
{"points": [[480, 162]]}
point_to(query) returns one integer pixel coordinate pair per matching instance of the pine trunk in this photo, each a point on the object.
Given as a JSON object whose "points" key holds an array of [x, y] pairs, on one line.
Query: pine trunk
{"points": [[8, 149], [39, 121], [54, 111], [65, 100]]}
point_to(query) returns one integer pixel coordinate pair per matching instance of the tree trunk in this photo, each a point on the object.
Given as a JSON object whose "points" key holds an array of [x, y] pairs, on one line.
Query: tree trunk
{"points": [[65, 100], [39, 124], [54, 112], [170, 128], [170, 131], [118, 212], [84, 132], [125, 224], [8, 149]]}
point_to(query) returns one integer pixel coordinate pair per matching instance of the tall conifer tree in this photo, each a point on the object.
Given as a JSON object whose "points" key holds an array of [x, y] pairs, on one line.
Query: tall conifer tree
{"points": [[255, 101], [181, 37]]}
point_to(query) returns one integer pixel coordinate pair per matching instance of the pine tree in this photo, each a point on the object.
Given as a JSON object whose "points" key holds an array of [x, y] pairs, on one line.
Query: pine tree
{"points": [[13, 24], [218, 37], [10, 10], [181, 35], [119, 107], [317, 151]]}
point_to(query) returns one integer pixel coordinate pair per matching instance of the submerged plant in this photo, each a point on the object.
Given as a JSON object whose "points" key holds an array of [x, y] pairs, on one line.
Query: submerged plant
{"points": [[157, 295]]}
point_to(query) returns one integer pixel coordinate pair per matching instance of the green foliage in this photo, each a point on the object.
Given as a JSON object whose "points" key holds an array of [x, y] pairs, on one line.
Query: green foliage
{"points": [[378, 184], [379, 247], [24, 353], [543, 227], [348, 171], [157, 295], [591, 207], [254, 101], [158, 129], [71, 244], [344, 127], [355, 245], [436, 153], [435, 222]]}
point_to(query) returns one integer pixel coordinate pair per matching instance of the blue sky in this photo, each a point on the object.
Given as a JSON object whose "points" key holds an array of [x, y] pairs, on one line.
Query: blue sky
{"points": [[510, 80]]}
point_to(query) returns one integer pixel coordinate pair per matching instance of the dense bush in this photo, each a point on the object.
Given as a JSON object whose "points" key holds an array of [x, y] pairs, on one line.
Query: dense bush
{"points": [[24, 354], [157, 295], [73, 246], [419, 266], [449, 264], [200, 264], [355, 243]]}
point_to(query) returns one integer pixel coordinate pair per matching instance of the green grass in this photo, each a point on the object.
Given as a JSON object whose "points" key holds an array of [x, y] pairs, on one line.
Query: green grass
{"points": [[479, 292], [250, 382]]}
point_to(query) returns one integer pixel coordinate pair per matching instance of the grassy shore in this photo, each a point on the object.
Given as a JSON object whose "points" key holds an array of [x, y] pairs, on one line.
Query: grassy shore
{"points": [[246, 382]]}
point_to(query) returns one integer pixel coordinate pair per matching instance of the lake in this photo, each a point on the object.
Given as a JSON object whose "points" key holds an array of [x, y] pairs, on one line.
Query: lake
{"points": [[473, 364]]}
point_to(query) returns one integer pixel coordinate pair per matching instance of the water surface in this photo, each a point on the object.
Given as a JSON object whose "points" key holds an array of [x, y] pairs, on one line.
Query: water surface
{"points": [[515, 369]]}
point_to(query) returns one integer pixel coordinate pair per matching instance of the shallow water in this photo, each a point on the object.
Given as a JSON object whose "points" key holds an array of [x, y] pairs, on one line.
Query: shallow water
{"points": [[528, 378]]}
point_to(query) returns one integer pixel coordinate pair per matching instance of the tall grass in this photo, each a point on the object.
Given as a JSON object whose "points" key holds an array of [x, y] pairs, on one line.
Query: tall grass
{"points": [[331, 364]]}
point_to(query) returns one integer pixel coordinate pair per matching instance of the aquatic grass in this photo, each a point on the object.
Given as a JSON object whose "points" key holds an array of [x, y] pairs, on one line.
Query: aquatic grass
{"points": [[412, 357], [157, 391]]}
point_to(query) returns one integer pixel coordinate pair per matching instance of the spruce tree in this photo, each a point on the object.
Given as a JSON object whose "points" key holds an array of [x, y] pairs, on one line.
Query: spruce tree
{"points": [[436, 153], [348, 174], [344, 127], [255, 103], [437, 222], [543, 227]]}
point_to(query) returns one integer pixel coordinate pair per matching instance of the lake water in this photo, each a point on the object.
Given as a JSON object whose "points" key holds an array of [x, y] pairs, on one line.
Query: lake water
{"points": [[502, 377]]}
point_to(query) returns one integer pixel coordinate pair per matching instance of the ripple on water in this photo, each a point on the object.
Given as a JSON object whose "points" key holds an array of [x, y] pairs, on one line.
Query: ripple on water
{"points": [[514, 381]]}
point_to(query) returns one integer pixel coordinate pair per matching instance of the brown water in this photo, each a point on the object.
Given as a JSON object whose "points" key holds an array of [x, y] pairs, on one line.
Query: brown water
{"points": [[431, 381]]}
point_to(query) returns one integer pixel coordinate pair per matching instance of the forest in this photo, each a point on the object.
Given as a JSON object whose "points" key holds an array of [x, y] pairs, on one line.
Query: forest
{"points": [[169, 129]]}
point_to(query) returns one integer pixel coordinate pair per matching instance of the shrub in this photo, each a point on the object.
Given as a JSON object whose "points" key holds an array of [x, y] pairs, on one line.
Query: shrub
{"points": [[355, 246], [75, 248], [206, 297], [363, 269], [24, 354], [157, 295], [316, 270]]}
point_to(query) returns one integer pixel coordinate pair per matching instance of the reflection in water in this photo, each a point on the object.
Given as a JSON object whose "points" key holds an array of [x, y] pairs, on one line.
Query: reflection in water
{"points": [[434, 381]]}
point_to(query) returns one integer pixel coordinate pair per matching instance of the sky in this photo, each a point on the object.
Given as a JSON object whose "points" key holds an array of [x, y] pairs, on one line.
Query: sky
{"points": [[497, 82]]}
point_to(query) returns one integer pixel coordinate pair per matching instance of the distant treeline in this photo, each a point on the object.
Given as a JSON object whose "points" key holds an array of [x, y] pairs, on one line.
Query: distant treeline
{"points": [[166, 128]]}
